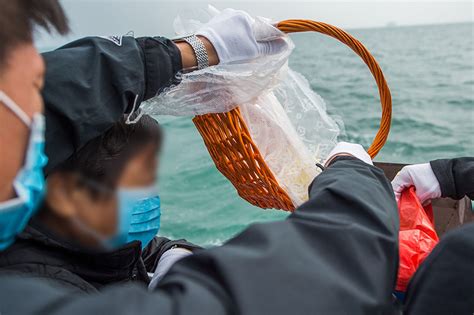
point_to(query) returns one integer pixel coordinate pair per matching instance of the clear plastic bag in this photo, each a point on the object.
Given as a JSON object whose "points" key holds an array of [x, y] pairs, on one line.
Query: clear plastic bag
{"points": [[286, 119], [292, 131]]}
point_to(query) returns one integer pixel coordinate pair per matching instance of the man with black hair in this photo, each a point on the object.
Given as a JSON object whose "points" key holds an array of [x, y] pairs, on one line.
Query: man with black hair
{"points": [[83, 195]]}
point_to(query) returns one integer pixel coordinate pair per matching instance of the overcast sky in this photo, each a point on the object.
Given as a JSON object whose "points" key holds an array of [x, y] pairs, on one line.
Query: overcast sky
{"points": [[155, 17]]}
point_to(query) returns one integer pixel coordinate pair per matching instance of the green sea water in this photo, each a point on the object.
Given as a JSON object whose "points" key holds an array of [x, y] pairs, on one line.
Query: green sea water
{"points": [[430, 71]]}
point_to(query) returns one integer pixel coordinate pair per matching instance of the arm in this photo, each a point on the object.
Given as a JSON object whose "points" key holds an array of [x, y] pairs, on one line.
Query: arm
{"points": [[339, 246], [158, 246], [440, 178], [90, 83], [455, 177], [337, 253], [444, 283]]}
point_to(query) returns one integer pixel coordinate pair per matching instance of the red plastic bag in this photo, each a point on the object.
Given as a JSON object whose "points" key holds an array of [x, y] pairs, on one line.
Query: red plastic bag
{"points": [[417, 236]]}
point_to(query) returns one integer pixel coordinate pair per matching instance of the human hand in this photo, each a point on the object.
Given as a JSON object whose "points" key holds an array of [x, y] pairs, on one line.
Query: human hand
{"points": [[232, 34], [422, 177], [349, 149]]}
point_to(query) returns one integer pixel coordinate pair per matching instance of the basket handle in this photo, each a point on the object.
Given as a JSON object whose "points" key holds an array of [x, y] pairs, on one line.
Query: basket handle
{"points": [[294, 26]]}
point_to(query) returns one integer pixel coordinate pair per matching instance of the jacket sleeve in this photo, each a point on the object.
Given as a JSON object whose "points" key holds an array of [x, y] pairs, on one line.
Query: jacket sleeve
{"points": [[455, 176], [444, 283], [341, 245], [90, 83], [336, 254], [158, 245]]}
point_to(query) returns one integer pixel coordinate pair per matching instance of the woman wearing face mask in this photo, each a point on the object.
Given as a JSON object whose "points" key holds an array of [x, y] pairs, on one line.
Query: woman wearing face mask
{"points": [[29, 181], [101, 214]]}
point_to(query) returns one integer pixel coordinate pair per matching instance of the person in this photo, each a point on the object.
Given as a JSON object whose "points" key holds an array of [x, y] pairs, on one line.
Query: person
{"points": [[21, 107], [72, 237], [444, 283], [341, 245], [340, 223]]}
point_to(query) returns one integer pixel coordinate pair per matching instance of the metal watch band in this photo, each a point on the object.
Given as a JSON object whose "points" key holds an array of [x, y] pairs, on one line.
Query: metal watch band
{"points": [[199, 50]]}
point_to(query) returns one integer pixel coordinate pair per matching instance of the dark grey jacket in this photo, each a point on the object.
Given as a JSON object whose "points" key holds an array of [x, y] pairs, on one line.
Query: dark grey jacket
{"points": [[455, 176], [90, 83], [38, 252], [336, 254]]}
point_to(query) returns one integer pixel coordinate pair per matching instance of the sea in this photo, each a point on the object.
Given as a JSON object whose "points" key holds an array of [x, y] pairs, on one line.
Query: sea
{"points": [[430, 72]]}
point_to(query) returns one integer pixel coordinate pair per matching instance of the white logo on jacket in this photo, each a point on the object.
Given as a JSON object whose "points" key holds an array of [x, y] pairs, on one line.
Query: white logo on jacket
{"points": [[117, 40]]}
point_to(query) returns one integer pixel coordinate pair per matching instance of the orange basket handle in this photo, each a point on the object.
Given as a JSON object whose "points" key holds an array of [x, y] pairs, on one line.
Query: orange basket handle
{"points": [[294, 26]]}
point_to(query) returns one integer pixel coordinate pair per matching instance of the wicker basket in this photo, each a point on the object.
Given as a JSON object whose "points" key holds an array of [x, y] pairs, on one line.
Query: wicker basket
{"points": [[237, 157]]}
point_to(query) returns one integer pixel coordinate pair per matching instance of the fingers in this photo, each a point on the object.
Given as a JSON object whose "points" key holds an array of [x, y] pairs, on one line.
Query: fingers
{"points": [[229, 13], [272, 47], [237, 36], [401, 181], [420, 176], [212, 10], [264, 30]]}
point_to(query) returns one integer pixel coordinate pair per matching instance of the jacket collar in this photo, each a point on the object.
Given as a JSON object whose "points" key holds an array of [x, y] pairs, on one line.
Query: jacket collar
{"points": [[36, 245]]}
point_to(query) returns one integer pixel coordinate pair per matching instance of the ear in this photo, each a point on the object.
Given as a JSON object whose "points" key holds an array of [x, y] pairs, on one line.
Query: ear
{"points": [[60, 194]]}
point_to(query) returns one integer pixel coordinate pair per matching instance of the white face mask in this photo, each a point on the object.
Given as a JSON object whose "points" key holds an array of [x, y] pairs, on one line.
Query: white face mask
{"points": [[29, 184]]}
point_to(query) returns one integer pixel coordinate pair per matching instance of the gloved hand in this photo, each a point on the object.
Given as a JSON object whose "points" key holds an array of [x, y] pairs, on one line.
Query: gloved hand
{"points": [[422, 177], [232, 34], [349, 149]]}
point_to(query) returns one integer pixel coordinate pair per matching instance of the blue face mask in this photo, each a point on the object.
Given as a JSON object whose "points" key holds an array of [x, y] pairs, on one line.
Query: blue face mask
{"points": [[145, 208], [29, 184]]}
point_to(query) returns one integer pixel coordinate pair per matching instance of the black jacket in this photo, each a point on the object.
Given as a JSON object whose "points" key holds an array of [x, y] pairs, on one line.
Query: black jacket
{"points": [[455, 176], [39, 253], [90, 83], [336, 254]]}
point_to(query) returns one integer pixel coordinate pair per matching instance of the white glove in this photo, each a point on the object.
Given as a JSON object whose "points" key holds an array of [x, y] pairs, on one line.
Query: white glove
{"points": [[422, 177], [353, 149], [232, 33]]}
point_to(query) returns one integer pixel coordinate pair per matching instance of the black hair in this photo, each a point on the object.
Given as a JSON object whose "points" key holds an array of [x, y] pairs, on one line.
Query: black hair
{"points": [[103, 159], [19, 17]]}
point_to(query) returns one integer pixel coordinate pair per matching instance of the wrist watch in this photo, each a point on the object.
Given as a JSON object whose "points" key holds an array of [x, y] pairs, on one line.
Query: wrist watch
{"points": [[199, 50]]}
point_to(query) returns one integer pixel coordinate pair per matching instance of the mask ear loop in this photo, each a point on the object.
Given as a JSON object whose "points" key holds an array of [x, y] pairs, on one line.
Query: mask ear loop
{"points": [[11, 105], [101, 239], [81, 225], [128, 121]]}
